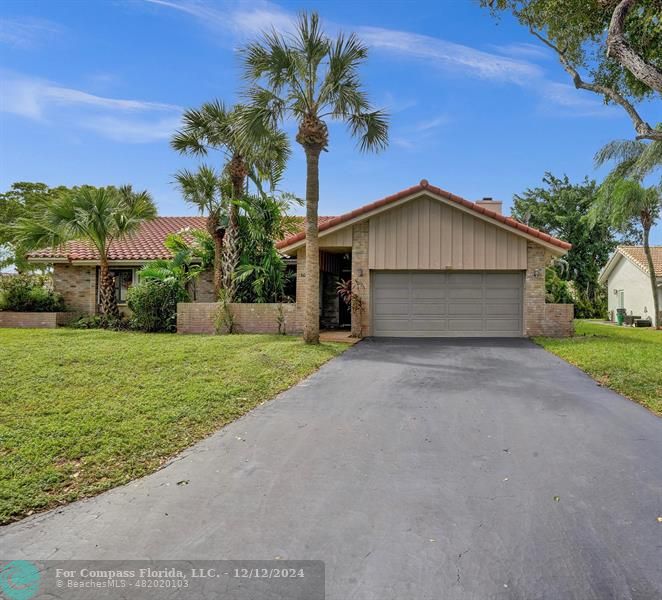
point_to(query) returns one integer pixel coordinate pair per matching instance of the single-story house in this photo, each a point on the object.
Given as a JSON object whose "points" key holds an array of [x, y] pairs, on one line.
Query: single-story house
{"points": [[76, 265], [429, 263], [627, 278], [425, 261]]}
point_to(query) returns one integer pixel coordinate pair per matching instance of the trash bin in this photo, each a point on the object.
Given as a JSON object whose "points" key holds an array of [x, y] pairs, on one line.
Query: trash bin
{"points": [[620, 315]]}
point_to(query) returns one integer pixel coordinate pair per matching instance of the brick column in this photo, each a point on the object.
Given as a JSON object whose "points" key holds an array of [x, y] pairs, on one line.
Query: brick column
{"points": [[361, 274], [534, 289]]}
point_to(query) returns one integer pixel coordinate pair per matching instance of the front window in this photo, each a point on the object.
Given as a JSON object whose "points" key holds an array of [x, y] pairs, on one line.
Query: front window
{"points": [[123, 281]]}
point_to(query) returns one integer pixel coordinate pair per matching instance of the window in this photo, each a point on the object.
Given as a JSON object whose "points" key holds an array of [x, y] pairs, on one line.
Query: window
{"points": [[123, 281], [621, 298]]}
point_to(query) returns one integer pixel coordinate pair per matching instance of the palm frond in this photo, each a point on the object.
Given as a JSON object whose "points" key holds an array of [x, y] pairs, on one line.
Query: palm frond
{"points": [[371, 128]]}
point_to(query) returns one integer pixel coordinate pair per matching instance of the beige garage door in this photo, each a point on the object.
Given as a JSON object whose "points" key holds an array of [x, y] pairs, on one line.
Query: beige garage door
{"points": [[425, 304]]}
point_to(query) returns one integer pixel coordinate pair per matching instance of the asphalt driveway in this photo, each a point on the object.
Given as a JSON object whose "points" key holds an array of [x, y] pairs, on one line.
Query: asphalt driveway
{"points": [[415, 469]]}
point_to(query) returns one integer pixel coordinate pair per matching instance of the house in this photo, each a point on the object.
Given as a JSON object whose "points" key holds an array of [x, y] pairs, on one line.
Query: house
{"points": [[425, 261], [429, 263], [627, 278], [76, 265]]}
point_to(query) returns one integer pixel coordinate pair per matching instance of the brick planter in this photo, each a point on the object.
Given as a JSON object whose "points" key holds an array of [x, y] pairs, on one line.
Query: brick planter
{"points": [[34, 320], [198, 317]]}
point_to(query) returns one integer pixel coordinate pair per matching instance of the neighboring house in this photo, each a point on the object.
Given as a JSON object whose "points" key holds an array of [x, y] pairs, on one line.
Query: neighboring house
{"points": [[628, 284], [429, 263]]}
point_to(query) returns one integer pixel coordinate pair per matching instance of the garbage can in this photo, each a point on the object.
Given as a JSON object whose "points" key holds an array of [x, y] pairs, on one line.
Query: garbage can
{"points": [[620, 315]]}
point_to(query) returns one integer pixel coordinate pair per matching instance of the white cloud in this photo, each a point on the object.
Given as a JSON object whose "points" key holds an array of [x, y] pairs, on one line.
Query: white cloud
{"points": [[243, 19], [523, 50], [574, 102], [449, 55], [432, 123], [27, 32], [511, 63], [129, 120]]}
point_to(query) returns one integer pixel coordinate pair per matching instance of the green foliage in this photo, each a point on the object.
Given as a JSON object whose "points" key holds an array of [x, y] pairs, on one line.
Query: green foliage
{"points": [[261, 275], [21, 200], [634, 159], [216, 127], [153, 303], [101, 322], [579, 28], [622, 200], [562, 209], [308, 74], [29, 293]]}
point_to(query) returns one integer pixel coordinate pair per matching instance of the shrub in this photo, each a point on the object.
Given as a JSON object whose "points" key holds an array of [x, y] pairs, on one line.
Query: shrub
{"points": [[100, 322], [29, 293], [154, 304]]}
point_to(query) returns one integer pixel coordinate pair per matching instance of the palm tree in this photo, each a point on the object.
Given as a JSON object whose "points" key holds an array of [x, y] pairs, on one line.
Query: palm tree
{"points": [[204, 190], [98, 216], [635, 158], [620, 201], [214, 127], [310, 77]]}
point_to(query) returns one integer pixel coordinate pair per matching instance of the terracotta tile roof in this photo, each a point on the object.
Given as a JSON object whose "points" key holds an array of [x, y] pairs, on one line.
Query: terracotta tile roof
{"points": [[145, 244], [424, 185], [636, 255]]}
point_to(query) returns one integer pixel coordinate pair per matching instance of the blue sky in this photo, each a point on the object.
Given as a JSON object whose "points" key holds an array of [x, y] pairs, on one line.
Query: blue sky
{"points": [[91, 92]]}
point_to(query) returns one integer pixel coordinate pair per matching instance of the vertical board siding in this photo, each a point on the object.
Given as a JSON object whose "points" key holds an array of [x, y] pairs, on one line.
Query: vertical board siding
{"points": [[425, 233], [338, 239]]}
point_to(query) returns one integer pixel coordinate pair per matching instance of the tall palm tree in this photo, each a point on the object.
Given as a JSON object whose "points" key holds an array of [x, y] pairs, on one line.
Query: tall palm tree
{"points": [[204, 190], [620, 201], [214, 127], [98, 216], [311, 78]]}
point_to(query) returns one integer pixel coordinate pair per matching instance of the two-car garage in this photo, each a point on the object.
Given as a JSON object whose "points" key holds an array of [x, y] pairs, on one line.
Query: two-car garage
{"points": [[446, 304]]}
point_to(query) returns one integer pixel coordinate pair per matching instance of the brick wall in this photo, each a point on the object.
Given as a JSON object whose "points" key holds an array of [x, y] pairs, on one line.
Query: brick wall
{"points": [[558, 320], [361, 274], [36, 320], [540, 318], [77, 284], [198, 317]]}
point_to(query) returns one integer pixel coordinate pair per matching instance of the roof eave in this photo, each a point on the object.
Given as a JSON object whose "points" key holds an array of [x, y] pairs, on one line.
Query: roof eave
{"points": [[484, 215]]}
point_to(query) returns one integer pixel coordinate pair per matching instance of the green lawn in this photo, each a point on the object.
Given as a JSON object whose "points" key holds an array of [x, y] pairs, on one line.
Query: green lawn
{"points": [[625, 359], [84, 411]]}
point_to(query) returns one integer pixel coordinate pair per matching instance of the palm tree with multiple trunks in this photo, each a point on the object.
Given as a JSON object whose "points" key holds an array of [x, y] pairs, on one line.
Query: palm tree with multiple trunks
{"points": [[310, 77], [214, 127]]}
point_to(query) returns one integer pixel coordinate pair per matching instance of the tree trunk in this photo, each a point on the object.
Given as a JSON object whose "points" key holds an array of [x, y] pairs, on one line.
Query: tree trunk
{"points": [[217, 237], [618, 48], [231, 249], [107, 300], [653, 279], [311, 327]]}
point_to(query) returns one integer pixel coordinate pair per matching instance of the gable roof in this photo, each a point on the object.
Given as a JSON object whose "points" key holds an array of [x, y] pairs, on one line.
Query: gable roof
{"points": [[384, 203], [636, 255], [148, 243]]}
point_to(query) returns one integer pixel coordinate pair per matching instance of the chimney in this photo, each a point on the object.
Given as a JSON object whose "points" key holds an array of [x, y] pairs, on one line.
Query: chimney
{"points": [[490, 204]]}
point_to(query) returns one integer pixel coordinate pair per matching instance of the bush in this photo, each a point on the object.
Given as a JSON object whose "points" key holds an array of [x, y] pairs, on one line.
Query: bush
{"points": [[100, 322], [154, 304], [29, 293]]}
